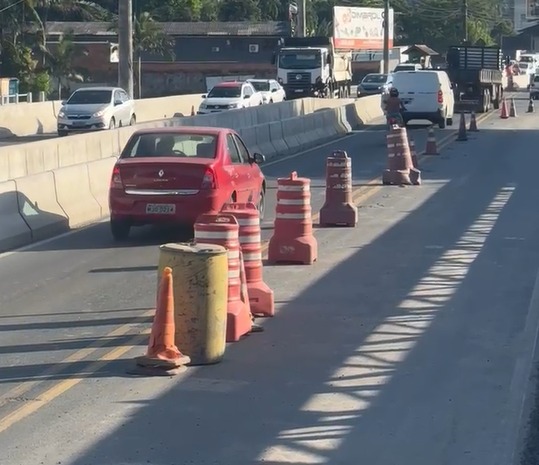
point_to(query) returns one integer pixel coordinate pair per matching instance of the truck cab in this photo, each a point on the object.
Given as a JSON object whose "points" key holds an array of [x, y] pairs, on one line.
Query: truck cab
{"points": [[311, 67]]}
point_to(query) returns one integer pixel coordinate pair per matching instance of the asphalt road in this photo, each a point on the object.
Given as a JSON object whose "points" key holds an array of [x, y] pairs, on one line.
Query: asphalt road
{"points": [[409, 342]]}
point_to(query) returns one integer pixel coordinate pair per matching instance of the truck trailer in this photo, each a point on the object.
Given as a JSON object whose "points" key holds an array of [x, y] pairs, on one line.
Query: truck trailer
{"points": [[313, 67], [476, 75]]}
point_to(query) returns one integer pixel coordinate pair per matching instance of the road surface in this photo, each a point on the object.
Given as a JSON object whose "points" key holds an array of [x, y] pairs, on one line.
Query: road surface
{"points": [[409, 342]]}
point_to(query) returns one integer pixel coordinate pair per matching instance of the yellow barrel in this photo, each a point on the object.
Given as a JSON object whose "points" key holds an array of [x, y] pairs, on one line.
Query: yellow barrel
{"points": [[200, 282]]}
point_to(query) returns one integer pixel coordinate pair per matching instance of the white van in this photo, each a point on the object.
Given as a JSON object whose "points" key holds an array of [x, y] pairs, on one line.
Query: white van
{"points": [[427, 95]]}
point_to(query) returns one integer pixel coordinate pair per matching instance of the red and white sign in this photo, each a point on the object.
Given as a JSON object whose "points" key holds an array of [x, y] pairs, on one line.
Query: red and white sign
{"points": [[358, 28]]}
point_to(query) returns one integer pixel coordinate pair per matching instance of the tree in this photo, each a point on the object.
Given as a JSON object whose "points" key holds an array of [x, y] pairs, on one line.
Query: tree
{"points": [[148, 37], [239, 10], [59, 62]]}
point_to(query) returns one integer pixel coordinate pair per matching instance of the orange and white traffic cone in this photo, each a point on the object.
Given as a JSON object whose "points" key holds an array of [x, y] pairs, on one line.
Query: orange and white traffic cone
{"points": [[413, 152], [504, 113], [513, 109], [432, 147], [162, 358], [473, 123]]}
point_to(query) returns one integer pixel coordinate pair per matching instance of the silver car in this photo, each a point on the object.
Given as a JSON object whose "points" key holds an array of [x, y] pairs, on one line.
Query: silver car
{"points": [[94, 109]]}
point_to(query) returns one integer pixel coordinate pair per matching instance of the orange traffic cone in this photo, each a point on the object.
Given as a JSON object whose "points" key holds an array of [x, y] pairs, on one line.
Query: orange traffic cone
{"points": [[192, 110], [162, 357], [473, 123], [504, 114], [413, 152], [513, 109], [244, 295], [462, 136], [431, 148]]}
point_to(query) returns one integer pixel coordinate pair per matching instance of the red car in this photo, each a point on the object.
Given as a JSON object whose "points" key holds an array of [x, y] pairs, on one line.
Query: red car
{"points": [[172, 175]]}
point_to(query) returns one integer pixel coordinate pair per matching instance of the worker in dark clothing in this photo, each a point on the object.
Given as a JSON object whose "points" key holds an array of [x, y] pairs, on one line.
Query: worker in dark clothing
{"points": [[394, 107]]}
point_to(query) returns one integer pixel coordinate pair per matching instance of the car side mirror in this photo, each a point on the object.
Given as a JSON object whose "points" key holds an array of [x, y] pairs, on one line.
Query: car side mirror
{"points": [[204, 96], [63, 102], [259, 158], [246, 96], [117, 102], [274, 90]]}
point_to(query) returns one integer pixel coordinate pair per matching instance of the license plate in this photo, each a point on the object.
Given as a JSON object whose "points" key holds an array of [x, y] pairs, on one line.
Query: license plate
{"points": [[160, 209], [77, 123]]}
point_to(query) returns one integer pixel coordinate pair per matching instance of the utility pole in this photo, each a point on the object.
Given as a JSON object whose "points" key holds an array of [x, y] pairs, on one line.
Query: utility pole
{"points": [[301, 30], [464, 21], [125, 45], [386, 37]]}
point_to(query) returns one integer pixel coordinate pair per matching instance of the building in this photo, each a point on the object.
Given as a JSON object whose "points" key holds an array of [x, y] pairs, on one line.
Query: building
{"points": [[203, 53], [522, 13]]}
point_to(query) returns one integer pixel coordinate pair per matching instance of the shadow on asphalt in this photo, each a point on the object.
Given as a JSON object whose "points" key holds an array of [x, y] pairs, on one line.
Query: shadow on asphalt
{"points": [[268, 380]]}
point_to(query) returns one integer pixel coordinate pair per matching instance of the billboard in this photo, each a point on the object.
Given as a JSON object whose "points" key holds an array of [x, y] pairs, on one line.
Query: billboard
{"points": [[358, 28]]}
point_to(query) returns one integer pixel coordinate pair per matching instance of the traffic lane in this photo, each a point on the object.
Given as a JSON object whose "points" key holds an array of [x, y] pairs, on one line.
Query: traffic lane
{"points": [[47, 292], [367, 149], [410, 322]]}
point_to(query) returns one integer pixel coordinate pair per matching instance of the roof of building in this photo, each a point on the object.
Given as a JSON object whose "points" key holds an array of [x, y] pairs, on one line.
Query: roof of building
{"points": [[233, 28], [422, 49]]}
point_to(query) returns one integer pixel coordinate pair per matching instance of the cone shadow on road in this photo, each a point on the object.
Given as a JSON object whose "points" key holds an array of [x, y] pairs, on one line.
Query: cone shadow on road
{"points": [[280, 398]]}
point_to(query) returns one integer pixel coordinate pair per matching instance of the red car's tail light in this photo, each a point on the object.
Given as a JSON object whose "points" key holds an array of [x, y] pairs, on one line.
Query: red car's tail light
{"points": [[116, 180], [440, 97], [209, 181]]}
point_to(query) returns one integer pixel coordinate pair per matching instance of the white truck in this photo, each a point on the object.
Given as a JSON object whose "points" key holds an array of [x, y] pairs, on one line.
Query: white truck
{"points": [[313, 67]]}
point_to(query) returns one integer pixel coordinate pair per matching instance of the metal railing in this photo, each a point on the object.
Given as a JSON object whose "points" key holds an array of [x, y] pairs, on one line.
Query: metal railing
{"points": [[17, 98]]}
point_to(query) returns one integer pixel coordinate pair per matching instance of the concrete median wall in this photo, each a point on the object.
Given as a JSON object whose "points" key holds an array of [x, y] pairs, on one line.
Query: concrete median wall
{"points": [[26, 119], [71, 191]]}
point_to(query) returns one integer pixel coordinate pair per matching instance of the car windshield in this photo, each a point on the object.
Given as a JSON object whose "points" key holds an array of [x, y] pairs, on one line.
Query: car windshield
{"points": [[225, 92], [90, 97], [182, 145], [298, 60], [261, 86], [375, 78]]}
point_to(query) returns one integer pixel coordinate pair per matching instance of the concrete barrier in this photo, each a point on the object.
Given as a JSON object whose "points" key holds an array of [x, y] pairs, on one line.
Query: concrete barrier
{"points": [[37, 157], [99, 172], [14, 232], [25, 119], [75, 196], [39, 207]]}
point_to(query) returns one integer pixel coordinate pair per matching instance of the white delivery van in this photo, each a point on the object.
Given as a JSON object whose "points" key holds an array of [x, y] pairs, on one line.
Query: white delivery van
{"points": [[427, 95]]}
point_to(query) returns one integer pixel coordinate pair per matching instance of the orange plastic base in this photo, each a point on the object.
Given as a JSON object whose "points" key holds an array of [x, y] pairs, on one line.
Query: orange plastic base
{"points": [[238, 321], [341, 214], [301, 250], [261, 299]]}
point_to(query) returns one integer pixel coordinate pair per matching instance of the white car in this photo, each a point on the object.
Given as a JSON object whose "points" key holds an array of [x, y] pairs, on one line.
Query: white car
{"points": [[229, 96], [271, 90], [94, 109]]}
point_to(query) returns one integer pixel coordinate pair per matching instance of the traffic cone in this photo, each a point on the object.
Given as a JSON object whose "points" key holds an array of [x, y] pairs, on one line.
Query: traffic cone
{"points": [[244, 296], [413, 152], [462, 136], [504, 114], [431, 148], [513, 109], [162, 357], [531, 109], [193, 110], [473, 123]]}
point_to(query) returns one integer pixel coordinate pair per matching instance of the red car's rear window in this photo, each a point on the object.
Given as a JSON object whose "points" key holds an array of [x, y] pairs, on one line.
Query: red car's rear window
{"points": [[171, 145]]}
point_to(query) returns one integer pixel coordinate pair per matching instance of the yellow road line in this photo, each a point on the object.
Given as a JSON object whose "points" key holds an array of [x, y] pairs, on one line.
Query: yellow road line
{"points": [[359, 195]]}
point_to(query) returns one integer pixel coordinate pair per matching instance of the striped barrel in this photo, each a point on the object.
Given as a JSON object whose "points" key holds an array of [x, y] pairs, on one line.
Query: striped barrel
{"points": [[223, 229], [293, 239], [261, 297]]}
